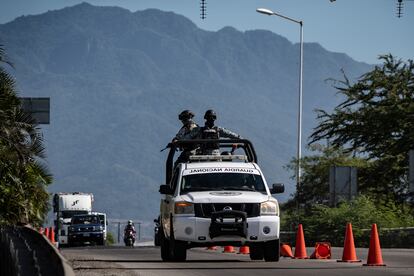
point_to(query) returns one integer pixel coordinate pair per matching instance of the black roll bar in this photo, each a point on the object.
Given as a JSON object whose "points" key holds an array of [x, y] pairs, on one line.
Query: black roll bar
{"points": [[245, 144]]}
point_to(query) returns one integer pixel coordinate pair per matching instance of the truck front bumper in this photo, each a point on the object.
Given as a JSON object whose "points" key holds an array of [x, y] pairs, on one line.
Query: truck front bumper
{"points": [[195, 229], [85, 237]]}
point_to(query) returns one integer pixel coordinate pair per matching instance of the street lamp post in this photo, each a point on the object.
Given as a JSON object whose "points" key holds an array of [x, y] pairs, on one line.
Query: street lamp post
{"points": [[299, 142]]}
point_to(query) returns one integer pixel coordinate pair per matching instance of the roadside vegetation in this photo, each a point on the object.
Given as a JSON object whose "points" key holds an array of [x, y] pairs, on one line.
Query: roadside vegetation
{"points": [[23, 174], [372, 130], [110, 240]]}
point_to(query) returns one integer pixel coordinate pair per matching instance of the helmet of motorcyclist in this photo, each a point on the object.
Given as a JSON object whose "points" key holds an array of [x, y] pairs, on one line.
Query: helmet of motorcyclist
{"points": [[129, 222], [210, 115], [185, 115]]}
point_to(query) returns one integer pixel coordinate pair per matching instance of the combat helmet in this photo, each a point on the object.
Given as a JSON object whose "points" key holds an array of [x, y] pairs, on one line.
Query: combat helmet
{"points": [[210, 115], [185, 115]]}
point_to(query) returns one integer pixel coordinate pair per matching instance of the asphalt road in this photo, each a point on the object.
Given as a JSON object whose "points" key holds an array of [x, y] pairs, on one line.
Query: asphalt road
{"points": [[92, 261]]}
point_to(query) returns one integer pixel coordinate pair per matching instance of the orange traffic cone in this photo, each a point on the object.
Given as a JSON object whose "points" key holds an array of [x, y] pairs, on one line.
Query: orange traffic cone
{"points": [[374, 252], [286, 250], [46, 232], [300, 247], [322, 251], [52, 235], [212, 248], [244, 250], [229, 249], [349, 253]]}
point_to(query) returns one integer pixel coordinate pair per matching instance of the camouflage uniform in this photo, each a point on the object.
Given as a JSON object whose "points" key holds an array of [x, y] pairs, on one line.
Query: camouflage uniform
{"points": [[186, 151], [185, 129]]}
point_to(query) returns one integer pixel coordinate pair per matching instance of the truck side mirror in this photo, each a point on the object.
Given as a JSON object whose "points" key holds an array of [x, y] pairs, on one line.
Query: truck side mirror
{"points": [[166, 190], [277, 188]]}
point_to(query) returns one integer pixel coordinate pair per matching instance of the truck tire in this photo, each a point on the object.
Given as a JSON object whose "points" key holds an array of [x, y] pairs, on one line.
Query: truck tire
{"points": [[256, 252], [101, 242], [271, 251], [178, 250], [165, 247]]}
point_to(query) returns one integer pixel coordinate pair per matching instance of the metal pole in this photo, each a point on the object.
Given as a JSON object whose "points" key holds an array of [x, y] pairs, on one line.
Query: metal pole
{"points": [[299, 142], [119, 232], [139, 230], [299, 145]]}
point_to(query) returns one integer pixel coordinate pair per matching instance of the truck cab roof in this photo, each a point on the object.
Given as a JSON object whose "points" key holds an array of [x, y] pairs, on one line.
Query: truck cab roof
{"points": [[219, 165]]}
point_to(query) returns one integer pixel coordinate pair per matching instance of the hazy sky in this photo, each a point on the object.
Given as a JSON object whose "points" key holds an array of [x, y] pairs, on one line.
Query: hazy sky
{"points": [[362, 29]]}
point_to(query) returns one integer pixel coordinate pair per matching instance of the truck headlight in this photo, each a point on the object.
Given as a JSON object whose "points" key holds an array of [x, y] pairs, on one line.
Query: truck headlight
{"points": [[98, 228], [183, 207], [269, 208]]}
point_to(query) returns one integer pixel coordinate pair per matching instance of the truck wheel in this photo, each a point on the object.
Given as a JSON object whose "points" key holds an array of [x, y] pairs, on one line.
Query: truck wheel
{"points": [[178, 250], [256, 252], [101, 242], [271, 251], [165, 247]]}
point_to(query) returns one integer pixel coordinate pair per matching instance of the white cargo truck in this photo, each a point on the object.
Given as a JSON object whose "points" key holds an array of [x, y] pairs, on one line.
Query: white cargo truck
{"points": [[65, 206], [218, 200]]}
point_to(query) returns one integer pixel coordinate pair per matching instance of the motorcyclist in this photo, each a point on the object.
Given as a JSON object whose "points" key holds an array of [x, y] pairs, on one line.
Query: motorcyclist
{"points": [[129, 227], [210, 131], [186, 117]]}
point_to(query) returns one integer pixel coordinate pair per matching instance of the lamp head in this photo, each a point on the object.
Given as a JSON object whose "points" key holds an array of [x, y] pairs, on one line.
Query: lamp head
{"points": [[265, 11]]}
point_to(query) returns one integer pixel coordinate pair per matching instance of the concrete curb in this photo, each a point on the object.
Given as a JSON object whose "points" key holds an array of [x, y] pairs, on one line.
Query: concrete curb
{"points": [[55, 254]]}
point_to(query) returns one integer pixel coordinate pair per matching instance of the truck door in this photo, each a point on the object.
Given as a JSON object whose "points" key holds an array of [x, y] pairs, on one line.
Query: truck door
{"points": [[167, 205]]}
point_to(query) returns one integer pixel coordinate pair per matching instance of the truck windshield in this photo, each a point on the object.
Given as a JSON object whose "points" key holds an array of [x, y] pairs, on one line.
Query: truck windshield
{"points": [[85, 220], [222, 182]]}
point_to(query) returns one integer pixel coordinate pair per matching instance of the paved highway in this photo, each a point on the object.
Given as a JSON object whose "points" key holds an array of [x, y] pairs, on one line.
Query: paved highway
{"points": [[92, 261]]}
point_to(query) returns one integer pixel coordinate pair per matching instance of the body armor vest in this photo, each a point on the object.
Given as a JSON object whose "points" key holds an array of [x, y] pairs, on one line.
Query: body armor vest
{"points": [[212, 134]]}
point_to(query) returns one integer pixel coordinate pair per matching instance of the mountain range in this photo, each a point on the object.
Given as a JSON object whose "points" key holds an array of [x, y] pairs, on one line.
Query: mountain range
{"points": [[118, 79]]}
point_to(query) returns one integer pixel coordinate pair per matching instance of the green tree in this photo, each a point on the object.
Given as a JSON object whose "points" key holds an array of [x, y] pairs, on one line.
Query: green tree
{"points": [[376, 122], [23, 175], [314, 188]]}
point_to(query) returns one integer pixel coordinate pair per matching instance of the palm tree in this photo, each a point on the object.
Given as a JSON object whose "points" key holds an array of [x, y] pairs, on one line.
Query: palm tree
{"points": [[23, 176]]}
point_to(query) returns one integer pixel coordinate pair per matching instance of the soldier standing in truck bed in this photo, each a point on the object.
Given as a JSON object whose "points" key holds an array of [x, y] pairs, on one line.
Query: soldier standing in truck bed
{"points": [[210, 131], [186, 117]]}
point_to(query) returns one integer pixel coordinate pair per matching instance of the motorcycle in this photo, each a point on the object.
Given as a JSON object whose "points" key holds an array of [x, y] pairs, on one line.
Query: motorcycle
{"points": [[129, 238]]}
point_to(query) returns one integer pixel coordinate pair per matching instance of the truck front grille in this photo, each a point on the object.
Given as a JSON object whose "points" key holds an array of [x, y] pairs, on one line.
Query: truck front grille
{"points": [[204, 210], [86, 229]]}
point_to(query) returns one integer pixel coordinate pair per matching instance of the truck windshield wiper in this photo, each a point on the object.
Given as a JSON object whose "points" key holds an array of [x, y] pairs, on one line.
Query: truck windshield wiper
{"points": [[238, 188]]}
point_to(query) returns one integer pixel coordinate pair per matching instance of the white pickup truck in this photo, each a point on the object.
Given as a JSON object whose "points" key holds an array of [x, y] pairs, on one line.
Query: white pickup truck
{"points": [[218, 200]]}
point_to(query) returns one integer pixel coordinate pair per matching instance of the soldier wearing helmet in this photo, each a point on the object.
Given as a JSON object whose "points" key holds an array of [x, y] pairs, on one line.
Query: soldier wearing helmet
{"points": [[186, 117], [211, 131]]}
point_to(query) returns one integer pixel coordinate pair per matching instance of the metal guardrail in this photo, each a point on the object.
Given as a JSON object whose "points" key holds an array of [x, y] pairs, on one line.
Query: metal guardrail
{"points": [[25, 252]]}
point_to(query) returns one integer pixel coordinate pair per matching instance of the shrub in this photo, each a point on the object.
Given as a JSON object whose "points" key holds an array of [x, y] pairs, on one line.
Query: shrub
{"points": [[322, 223]]}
